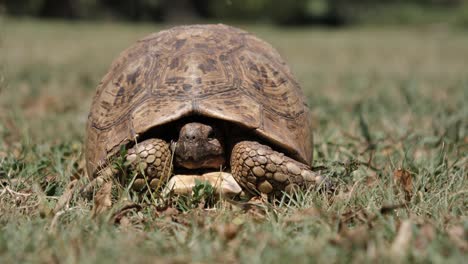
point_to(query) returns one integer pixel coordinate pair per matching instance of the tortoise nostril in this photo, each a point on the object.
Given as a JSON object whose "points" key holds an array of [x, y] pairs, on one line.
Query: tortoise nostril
{"points": [[189, 137]]}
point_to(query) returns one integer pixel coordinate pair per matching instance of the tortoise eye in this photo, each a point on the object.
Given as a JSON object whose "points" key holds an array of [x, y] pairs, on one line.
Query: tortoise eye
{"points": [[211, 134]]}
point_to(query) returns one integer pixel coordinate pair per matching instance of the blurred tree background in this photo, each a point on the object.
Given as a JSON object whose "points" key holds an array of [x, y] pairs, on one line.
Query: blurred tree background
{"points": [[291, 12]]}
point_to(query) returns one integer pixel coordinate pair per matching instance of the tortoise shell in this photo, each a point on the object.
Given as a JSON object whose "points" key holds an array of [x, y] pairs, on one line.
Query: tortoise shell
{"points": [[215, 71]]}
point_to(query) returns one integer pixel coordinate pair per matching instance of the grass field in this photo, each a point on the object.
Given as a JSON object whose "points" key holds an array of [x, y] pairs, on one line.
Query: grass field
{"points": [[383, 99]]}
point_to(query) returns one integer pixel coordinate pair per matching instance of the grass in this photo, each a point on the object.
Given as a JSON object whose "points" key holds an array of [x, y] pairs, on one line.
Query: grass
{"points": [[382, 99]]}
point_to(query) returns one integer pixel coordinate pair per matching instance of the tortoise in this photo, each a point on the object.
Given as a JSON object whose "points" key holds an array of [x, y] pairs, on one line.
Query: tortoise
{"points": [[203, 98]]}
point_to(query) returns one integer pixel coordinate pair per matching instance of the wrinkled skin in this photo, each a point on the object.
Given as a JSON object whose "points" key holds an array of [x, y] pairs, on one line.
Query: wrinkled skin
{"points": [[199, 147]]}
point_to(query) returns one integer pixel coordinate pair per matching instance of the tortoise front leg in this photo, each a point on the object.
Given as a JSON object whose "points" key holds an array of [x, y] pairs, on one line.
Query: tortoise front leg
{"points": [[151, 159], [259, 169]]}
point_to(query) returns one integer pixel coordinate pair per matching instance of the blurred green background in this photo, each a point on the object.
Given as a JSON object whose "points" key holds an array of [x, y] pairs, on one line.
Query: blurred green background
{"points": [[292, 12]]}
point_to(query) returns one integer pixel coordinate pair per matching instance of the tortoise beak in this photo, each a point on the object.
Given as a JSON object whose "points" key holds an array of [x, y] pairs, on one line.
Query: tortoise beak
{"points": [[199, 154]]}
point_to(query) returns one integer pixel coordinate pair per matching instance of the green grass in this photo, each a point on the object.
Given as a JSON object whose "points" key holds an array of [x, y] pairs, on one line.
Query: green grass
{"points": [[397, 97]]}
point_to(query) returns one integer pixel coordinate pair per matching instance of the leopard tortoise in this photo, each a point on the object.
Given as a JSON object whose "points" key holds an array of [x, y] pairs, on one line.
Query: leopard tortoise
{"points": [[203, 98]]}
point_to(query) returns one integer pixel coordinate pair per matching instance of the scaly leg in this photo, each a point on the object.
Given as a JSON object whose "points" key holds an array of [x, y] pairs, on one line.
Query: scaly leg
{"points": [[259, 169], [153, 157]]}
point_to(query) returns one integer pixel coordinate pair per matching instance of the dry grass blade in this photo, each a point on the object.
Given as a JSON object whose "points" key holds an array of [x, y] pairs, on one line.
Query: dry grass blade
{"points": [[458, 235], [88, 190], [125, 223], [102, 199], [254, 204], [427, 233], [118, 216], [356, 216], [302, 215], [402, 241], [81, 170], [257, 208], [228, 231], [387, 209], [14, 193], [404, 180], [355, 237], [67, 195]]}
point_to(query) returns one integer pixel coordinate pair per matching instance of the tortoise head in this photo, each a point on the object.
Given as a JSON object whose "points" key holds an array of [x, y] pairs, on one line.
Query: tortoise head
{"points": [[199, 146]]}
